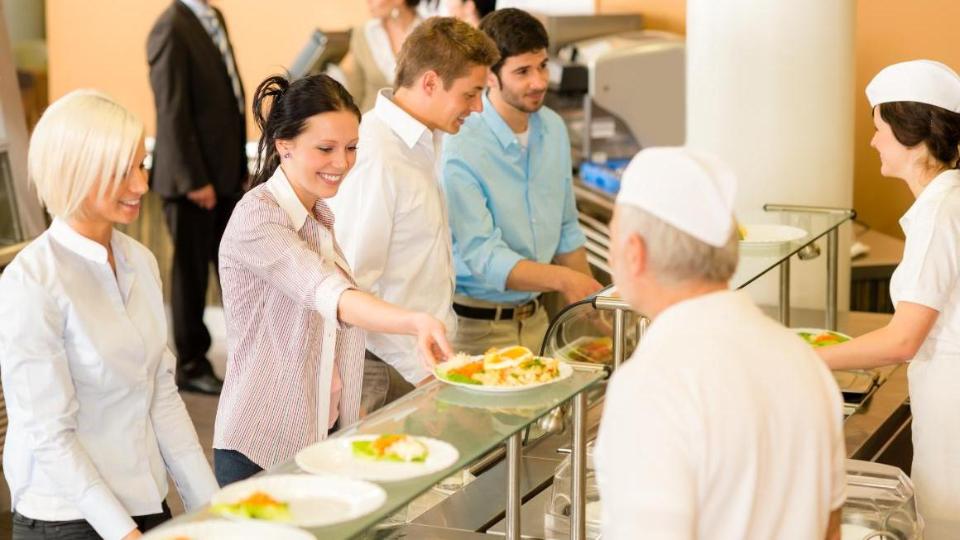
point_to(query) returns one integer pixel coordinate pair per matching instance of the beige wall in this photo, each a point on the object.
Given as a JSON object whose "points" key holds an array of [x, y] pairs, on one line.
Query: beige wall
{"points": [[891, 31], [660, 14], [102, 43]]}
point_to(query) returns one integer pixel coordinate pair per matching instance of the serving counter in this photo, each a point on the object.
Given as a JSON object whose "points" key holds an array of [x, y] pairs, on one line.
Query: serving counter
{"points": [[475, 424], [514, 445]]}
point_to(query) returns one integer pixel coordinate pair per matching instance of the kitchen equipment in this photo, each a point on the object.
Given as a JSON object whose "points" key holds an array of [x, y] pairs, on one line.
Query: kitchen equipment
{"points": [[556, 519], [880, 498]]}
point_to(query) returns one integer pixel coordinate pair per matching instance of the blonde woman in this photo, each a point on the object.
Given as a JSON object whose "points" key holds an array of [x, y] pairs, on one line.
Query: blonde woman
{"points": [[96, 422], [374, 46]]}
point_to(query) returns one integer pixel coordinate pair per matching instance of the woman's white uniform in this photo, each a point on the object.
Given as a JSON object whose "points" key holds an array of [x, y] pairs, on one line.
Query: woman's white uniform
{"points": [[928, 275]]}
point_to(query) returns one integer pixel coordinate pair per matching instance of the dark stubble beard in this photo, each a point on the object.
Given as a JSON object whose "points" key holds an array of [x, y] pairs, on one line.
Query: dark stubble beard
{"points": [[516, 102]]}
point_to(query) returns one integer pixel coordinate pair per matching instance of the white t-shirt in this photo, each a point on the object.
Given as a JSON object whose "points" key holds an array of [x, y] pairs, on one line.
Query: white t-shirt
{"points": [[524, 138], [391, 223], [723, 425]]}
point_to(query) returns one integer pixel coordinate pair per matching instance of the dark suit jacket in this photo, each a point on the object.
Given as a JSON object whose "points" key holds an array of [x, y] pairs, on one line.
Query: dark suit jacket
{"points": [[201, 133]]}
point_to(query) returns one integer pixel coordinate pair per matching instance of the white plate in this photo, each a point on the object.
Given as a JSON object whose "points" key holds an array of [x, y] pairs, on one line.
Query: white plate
{"points": [[220, 529], [335, 456], [564, 368], [315, 501], [765, 234]]}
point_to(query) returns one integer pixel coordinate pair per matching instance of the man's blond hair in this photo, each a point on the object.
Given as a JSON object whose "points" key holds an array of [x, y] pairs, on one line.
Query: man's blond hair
{"points": [[448, 46]]}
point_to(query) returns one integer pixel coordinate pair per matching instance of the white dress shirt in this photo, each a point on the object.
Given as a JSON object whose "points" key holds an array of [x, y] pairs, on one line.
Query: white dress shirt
{"points": [[95, 418], [723, 425], [392, 226], [928, 275]]}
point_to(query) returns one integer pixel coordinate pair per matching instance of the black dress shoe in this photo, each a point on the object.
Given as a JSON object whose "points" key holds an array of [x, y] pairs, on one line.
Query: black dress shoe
{"points": [[205, 383]]}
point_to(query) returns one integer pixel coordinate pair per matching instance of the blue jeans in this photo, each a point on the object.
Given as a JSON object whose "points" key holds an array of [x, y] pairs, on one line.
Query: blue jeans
{"points": [[230, 466]]}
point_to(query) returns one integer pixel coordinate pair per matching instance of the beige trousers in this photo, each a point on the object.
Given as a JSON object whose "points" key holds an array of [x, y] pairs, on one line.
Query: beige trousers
{"points": [[474, 336]]}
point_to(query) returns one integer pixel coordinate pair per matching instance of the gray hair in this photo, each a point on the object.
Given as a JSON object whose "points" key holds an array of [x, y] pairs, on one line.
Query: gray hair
{"points": [[675, 256]]}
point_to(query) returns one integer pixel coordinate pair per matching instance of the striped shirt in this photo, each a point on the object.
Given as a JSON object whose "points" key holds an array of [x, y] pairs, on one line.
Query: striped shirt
{"points": [[282, 274]]}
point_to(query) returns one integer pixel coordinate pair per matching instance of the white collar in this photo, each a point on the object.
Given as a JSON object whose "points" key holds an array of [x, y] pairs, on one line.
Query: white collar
{"points": [[940, 183], [199, 9], [408, 128], [279, 185], [77, 243]]}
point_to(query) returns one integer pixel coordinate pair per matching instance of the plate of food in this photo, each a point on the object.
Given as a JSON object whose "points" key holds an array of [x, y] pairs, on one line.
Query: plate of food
{"points": [[820, 337], [298, 499], [221, 529], [387, 457], [768, 234], [511, 369], [594, 350]]}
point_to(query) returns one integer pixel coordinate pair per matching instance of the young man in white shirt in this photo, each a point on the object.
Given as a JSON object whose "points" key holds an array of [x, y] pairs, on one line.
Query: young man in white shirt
{"points": [[723, 424], [391, 215]]}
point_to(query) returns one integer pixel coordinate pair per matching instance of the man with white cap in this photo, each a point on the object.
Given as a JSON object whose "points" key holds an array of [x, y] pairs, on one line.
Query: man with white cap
{"points": [[723, 424], [916, 112]]}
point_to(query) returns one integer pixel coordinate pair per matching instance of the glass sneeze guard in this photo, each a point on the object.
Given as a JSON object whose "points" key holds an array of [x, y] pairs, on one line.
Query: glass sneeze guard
{"points": [[473, 422], [756, 261]]}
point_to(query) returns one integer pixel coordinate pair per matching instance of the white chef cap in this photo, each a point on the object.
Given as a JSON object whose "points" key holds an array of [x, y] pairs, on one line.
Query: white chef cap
{"points": [[922, 81], [690, 190]]}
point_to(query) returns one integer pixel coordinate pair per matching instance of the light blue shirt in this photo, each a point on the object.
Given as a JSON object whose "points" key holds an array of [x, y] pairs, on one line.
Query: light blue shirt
{"points": [[507, 203]]}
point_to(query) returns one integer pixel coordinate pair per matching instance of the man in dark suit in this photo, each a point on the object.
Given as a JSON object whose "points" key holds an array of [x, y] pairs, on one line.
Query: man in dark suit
{"points": [[199, 163]]}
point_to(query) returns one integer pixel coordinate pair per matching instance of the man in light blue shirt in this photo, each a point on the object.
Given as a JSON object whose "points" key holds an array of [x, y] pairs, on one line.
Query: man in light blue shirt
{"points": [[507, 179]]}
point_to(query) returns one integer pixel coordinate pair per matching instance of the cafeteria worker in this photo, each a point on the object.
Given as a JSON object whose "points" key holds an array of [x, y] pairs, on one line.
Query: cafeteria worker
{"points": [[916, 112]]}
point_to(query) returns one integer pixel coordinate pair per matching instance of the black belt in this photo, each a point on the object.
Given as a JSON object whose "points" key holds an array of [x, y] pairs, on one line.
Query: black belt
{"points": [[523, 311]]}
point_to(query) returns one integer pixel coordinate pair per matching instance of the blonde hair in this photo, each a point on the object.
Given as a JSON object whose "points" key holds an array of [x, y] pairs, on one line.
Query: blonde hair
{"points": [[445, 45], [85, 140]]}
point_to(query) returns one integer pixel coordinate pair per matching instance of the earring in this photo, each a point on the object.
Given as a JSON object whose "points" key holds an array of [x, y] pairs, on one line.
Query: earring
{"points": [[286, 156], [395, 13]]}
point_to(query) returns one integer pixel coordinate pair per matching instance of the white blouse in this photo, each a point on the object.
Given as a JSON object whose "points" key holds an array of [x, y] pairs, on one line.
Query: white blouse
{"points": [[95, 420], [380, 47]]}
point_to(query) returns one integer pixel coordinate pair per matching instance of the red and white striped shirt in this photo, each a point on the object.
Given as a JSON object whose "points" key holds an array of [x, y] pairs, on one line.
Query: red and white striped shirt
{"points": [[292, 367]]}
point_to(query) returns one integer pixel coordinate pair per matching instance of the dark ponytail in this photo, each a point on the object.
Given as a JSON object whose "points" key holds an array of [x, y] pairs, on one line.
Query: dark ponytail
{"points": [[913, 123], [291, 104]]}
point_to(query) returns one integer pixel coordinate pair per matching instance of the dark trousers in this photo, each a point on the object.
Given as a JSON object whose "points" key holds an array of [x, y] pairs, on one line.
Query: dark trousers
{"points": [[230, 466], [25, 528], [196, 235]]}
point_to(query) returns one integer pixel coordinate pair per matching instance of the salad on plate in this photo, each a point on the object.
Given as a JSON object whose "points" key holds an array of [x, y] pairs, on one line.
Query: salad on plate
{"points": [[510, 367], [391, 447]]}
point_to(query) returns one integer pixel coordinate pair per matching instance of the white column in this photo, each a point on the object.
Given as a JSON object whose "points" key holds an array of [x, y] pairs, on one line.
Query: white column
{"points": [[770, 90]]}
